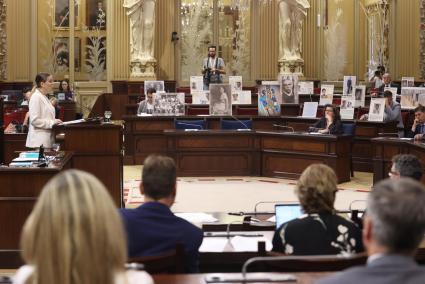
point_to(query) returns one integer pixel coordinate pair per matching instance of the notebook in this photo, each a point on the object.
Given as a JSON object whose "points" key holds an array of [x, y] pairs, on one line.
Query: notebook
{"points": [[286, 212]]}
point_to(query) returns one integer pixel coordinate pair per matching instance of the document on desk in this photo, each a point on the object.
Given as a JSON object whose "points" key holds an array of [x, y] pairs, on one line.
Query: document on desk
{"points": [[241, 244], [214, 244], [73, 121], [197, 217]]}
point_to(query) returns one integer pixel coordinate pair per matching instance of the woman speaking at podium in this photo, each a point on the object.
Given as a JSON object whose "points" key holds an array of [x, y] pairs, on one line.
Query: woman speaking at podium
{"points": [[41, 114]]}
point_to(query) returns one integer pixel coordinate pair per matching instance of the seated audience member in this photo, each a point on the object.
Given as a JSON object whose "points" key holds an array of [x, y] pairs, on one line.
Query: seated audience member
{"points": [[388, 83], [74, 235], [406, 165], [27, 95], [418, 128], [55, 104], [320, 231], [152, 228], [394, 226], [65, 89], [146, 106], [330, 123], [377, 79], [392, 112]]}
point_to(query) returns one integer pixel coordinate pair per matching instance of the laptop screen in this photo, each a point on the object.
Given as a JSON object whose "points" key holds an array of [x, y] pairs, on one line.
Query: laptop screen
{"points": [[286, 212]]}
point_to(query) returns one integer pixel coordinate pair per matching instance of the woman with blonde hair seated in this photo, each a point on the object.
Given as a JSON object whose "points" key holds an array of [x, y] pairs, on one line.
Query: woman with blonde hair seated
{"points": [[74, 235], [320, 230]]}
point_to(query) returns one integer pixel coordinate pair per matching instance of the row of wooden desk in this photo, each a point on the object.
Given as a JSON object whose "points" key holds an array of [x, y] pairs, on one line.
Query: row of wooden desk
{"points": [[145, 135]]}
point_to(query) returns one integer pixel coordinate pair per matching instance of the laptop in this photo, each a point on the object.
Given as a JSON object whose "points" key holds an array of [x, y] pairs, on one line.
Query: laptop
{"points": [[287, 212]]}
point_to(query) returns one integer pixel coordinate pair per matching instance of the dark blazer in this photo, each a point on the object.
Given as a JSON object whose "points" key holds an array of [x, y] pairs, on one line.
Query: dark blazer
{"points": [[411, 134], [392, 85], [334, 128], [388, 269], [153, 229]]}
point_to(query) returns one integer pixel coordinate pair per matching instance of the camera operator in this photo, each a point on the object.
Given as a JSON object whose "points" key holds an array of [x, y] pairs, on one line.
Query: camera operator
{"points": [[212, 68]]}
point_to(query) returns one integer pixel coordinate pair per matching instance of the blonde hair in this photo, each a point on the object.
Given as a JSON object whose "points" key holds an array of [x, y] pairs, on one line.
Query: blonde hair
{"points": [[74, 235], [316, 189]]}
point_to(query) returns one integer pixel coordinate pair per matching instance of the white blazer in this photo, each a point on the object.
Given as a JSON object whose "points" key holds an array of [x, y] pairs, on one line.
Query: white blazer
{"points": [[42, 118]]}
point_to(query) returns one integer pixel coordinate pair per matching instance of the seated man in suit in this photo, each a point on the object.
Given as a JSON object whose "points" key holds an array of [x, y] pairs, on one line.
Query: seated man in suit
{"points": [[406, 165], [418, 128], [388, 83], [394, 227], [152, 228]]}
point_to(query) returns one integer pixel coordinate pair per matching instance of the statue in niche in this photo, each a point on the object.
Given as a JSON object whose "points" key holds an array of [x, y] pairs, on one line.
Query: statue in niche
{"points": [[291, 17], [142, 26]]}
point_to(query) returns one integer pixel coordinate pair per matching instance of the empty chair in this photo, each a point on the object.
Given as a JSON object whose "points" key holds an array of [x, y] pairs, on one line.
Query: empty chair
{"points": [[190, 124], [236, 124]]}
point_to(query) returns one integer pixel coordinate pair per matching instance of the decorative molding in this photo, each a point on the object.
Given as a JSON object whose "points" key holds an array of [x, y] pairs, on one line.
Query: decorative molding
{"points": [[422, 39], [3, 40], [378, 35]]}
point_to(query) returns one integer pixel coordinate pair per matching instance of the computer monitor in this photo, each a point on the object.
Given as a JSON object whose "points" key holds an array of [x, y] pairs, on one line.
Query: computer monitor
{"points": [[287, 212]]}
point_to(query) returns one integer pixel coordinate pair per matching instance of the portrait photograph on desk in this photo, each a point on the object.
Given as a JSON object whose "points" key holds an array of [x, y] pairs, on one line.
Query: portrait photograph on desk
{"points": [[168, 104], [220, 99], [412, 97], [269, 100], [326, 94]]}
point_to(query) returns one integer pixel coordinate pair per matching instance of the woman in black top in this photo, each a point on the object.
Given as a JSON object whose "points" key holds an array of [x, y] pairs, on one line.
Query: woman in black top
{"points": [[330, 123], [320, 231]]}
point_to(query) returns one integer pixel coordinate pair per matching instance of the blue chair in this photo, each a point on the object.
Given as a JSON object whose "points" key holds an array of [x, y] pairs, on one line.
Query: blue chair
{"points": [[235, 124], [190, 124], [350, 129]]}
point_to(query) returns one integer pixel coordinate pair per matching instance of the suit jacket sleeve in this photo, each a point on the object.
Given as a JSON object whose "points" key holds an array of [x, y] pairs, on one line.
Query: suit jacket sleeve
{"points": [[335, 128], [392, 114], [320, 124], [411, 134]]}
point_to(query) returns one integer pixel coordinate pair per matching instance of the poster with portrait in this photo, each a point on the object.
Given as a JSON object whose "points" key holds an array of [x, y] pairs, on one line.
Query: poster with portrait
{"points": [[326, 94], [61, 53], [411, 97], [359, 95], [96, 13], [201, 98], [157, 85], [393, 91], [235, 83], [241, 98], [168, 104], [349, 84], [289, 88], [305, 88], [407, 82], [196, 84], [269, 99], [346, 109], [61, 15], [220, 99], [376, 109]]}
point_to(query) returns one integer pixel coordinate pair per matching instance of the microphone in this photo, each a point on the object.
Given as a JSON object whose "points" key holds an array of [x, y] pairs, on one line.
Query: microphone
{"points": [[198, 127], [267, 202], [284, 126], [246, 128]]}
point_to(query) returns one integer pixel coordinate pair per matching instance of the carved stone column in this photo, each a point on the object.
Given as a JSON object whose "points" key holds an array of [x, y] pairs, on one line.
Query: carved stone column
{"points": [[291, 18]]}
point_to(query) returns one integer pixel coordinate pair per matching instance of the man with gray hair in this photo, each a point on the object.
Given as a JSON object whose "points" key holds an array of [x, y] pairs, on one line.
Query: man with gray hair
{"points": [[394, 226], [406, 165]]}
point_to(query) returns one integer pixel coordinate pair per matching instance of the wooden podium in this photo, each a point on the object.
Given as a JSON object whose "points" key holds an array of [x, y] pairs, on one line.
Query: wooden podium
{"points": [[98, 150]]}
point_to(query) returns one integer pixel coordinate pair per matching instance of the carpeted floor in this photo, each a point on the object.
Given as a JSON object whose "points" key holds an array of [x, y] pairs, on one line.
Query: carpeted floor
{"points": [[228, 194]]}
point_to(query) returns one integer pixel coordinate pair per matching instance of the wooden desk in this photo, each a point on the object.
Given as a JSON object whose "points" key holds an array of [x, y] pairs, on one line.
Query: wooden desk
{"points": [[362, 147], [271, 154], [385, 148], [98, 150], [19, 190], [213, 152], [302, 278], [144, 135], [13, 142]]}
